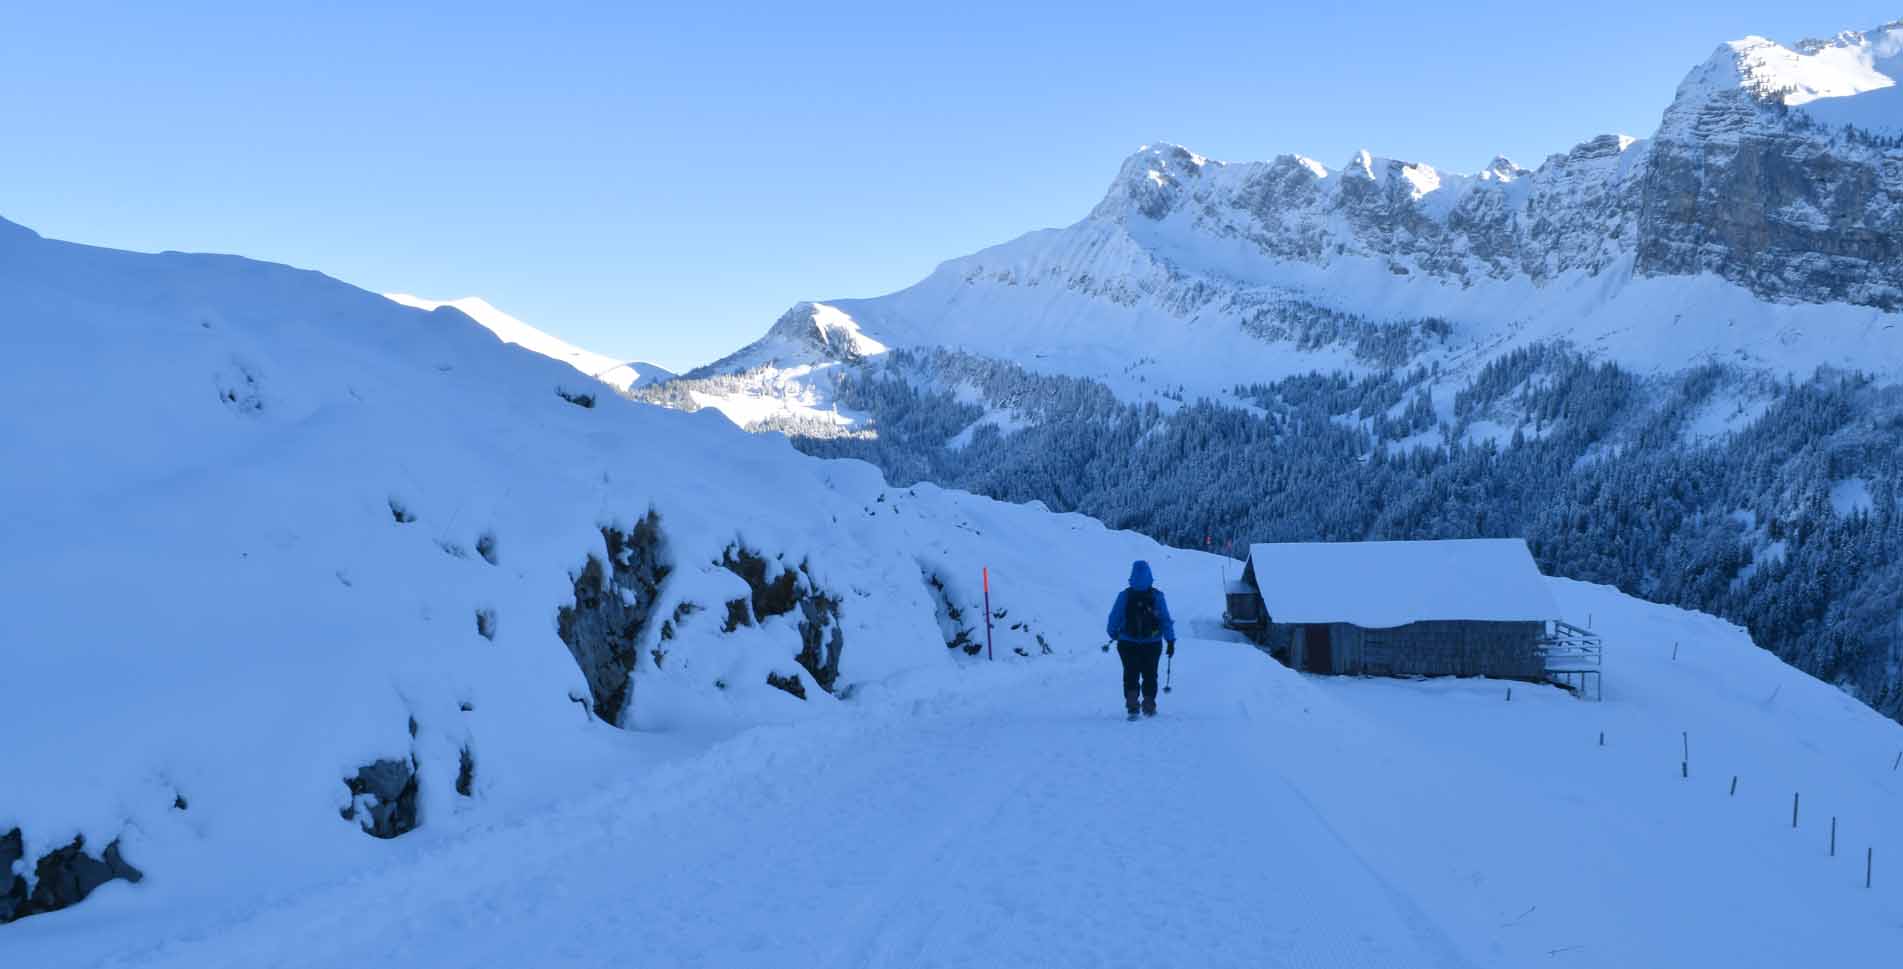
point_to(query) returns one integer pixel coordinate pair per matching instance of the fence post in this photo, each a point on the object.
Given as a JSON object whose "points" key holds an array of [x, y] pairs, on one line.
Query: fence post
{"points": [[987, 583], [1833, 836], [1675, 652], [1734, 785], [1869, 854], [1794, 798], [1685, 765]]}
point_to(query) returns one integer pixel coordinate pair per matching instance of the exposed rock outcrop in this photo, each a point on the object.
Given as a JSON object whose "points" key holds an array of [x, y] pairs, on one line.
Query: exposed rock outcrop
{"points": [[788, 683], [383, 798], [778, 590], [951, 618], [62, 877], [466, 772], [13, 890], [1746, 184], [614, 602]]}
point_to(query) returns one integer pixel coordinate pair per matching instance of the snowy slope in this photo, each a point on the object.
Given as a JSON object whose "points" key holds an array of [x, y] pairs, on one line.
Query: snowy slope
{"points": [[264, 530], [1006, 816], [615, 373], [1752, 229], [1850, 79]]}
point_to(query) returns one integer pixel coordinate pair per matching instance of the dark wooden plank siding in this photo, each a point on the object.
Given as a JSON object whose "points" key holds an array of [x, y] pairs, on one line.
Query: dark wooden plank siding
{"points": [[1431, 648]]}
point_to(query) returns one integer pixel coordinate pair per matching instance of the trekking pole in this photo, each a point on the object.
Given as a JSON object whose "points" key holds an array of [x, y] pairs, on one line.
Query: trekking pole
{"points": [[1169, 667]]}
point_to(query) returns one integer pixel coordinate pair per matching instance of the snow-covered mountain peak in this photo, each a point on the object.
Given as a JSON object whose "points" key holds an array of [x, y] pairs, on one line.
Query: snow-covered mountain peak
{"points": [[1313, 167], [1851, 63], [1160, 155], [1422, 179], [828, 330], [807, 336], [1502, 169], [1602, 146], [1147, 180], [1847, 80], [1360, 165]]}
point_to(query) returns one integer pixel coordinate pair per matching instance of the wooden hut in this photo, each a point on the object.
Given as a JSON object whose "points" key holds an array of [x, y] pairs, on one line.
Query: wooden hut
{"points": [[1474, 607]]}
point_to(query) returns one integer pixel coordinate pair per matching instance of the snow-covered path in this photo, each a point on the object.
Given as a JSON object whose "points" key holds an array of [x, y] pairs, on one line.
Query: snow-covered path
{"points": [[1007, 815], [1026, 825]]}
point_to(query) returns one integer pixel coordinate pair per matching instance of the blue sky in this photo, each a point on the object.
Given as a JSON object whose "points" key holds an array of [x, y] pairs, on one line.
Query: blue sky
{"points": [[660, 181]]}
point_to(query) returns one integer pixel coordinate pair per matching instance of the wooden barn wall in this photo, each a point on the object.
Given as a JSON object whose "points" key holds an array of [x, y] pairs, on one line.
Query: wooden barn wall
{"points": [[1433, 648]]}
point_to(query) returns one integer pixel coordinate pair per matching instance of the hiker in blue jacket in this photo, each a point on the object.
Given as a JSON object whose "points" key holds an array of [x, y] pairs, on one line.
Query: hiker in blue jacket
{"points": [[1140, 624]]}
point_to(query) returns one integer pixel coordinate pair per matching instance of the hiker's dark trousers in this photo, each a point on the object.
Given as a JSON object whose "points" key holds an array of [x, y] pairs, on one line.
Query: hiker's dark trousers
{"points": [[1139, 670]]}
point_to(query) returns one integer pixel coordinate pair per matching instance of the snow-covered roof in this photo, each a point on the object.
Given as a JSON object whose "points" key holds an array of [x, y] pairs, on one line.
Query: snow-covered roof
{"points": [[1378, 585]]}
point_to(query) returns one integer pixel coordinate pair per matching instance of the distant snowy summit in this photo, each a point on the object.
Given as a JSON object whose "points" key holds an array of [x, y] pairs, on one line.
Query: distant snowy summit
{"points": [[1760, 225], [1777, 168], [621, 375], [809, 332]]}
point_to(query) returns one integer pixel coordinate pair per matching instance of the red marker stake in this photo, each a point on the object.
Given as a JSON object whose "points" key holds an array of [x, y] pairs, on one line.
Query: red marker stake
{"points": [[987, 576]]}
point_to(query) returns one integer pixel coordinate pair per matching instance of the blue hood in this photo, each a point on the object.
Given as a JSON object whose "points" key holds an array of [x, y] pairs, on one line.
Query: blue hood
{"points": [[1140, 577]]}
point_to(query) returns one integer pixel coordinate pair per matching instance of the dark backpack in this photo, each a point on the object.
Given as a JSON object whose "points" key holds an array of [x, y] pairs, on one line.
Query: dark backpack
{"points": [[1139, 615]]}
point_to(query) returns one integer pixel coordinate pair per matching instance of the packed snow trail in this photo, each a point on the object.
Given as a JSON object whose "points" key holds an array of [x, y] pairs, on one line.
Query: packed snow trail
{"points": [[1026, 825], [1005, 814]]}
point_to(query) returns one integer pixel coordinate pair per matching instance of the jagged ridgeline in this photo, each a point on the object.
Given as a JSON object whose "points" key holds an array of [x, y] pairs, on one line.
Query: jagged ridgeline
{"points": [[1773, 503], [1280, 349]]}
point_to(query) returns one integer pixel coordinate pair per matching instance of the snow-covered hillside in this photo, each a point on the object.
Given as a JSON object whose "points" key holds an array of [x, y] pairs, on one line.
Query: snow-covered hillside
{"points": [[1757, 227], [618, 374], [1006, 815], [285, 561]]}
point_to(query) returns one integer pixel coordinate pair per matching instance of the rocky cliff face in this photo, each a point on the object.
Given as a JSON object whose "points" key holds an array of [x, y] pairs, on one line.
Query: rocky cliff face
{"points": [[1748, 181], [1576, 211], [1748, 177]]}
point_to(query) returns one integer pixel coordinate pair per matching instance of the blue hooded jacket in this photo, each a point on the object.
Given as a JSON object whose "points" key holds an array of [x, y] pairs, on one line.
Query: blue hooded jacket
{"points": [[1140, 578]]}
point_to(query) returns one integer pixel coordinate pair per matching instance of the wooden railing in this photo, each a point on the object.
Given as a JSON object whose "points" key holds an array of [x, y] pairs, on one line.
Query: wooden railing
{"points": [[1574, 658]]}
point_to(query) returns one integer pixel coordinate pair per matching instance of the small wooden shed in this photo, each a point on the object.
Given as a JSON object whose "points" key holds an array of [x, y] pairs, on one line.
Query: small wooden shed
{"points": [[1470, 607]]}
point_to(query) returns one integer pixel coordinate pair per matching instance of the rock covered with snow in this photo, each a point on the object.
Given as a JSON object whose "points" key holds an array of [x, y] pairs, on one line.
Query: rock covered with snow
{"points": [[1504, 222]]}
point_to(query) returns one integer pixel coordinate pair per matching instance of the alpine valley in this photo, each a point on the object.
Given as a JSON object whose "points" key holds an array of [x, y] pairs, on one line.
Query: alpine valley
{"points": [[1671, 362], [343, 629]]}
